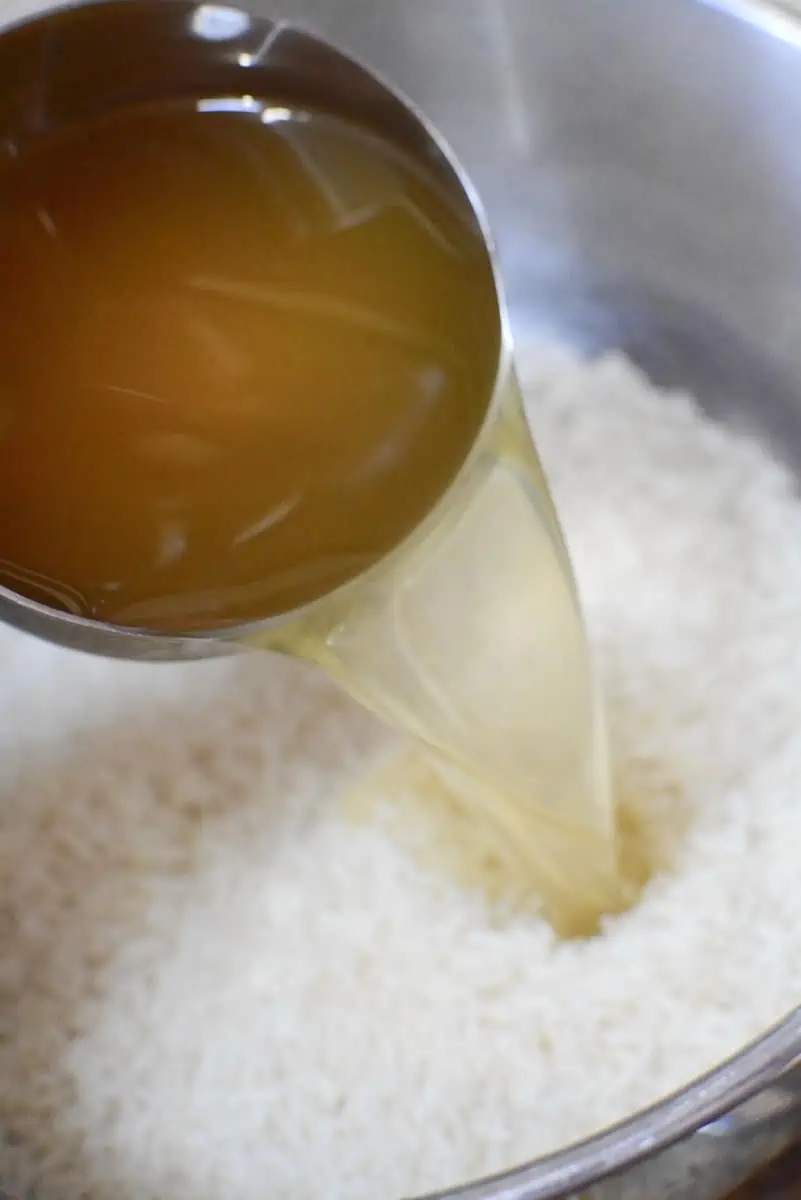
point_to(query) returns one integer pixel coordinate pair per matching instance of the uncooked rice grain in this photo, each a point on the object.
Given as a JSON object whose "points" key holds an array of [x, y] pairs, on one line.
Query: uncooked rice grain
{"points": [[214, 985]]}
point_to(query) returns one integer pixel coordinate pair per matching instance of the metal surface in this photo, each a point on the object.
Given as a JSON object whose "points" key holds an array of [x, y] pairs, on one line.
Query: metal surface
{"points": [[641, 166]]}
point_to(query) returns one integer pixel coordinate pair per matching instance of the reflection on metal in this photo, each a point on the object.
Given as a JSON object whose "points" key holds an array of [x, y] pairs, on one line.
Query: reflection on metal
{"points": [[216, 23], [501, 44], [230, 104], [774, 17], [259, 56]]}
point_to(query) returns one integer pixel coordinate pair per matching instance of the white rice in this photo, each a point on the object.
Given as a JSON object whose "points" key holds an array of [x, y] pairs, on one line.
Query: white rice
{"points": [[211, 985]]}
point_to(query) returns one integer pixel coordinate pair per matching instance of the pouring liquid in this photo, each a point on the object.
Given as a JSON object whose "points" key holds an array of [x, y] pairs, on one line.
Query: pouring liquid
{"points": [[246, 352]]}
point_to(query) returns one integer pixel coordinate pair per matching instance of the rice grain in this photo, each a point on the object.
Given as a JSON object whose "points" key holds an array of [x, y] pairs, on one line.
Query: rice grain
{"points": [[213, 984]]}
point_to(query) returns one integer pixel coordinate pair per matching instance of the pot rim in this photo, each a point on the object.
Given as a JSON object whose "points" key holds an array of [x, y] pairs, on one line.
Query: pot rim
{"points": [[664, 1123]]}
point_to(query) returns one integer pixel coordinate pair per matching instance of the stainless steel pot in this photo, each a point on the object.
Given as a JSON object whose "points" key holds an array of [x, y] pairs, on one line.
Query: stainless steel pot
{"points": [[641, 164], [640, 161]]}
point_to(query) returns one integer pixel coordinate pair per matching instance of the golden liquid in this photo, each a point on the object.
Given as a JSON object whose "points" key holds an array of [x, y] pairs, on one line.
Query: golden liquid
{"points": [[245, 350], [477, 646]]}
